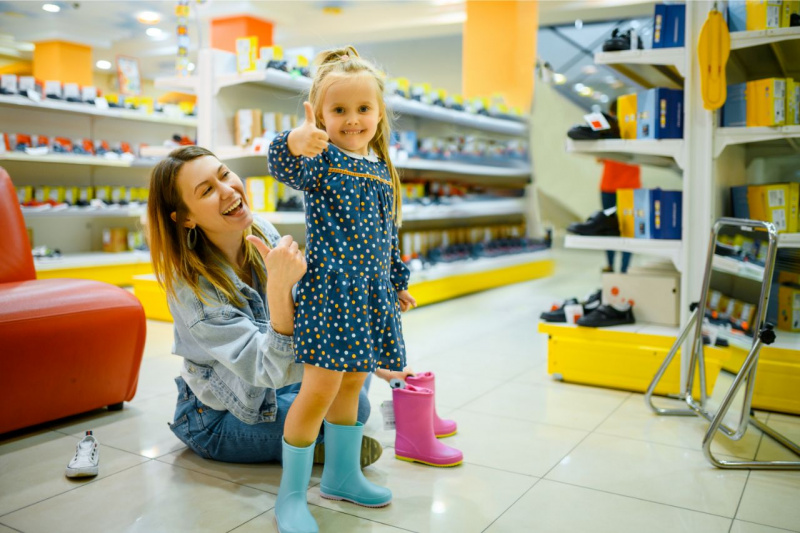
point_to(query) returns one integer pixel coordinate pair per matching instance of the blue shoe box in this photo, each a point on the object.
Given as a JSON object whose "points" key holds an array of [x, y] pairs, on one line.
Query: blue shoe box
{"points": [[734, 111], [737, 15], [657, 214], [659, 114], [741, 209], [669, 25]]}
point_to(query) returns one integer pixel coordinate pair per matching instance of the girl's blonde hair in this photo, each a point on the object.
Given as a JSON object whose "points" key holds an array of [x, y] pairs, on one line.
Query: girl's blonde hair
{"points": [[173, 260], [331, 66]]}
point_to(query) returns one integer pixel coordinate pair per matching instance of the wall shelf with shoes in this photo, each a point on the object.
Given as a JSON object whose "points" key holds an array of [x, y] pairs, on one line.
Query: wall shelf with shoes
{"points": [[89, 211], [660, 152], [670, 249], [764, 141], [87, 160], [115, 268], [661, 67]]}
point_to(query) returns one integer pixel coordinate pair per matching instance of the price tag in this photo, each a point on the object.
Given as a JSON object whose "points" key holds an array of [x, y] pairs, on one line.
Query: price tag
{"points": [[596, 121]]}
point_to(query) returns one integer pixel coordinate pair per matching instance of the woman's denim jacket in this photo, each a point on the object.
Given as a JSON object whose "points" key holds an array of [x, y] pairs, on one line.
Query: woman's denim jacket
{"points": [[231, 351]]}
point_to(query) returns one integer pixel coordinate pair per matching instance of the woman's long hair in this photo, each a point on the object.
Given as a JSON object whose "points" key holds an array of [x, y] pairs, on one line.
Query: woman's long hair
{"points": [[173, 261], [331, 66]]}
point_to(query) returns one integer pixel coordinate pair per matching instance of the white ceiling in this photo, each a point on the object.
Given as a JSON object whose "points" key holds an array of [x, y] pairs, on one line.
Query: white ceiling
{"points": [[111, 28]]}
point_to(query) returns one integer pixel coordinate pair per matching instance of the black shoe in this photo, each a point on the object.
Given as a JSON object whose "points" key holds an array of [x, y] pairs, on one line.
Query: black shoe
{"points": [[558, 315], [620, 41], [605, 316], [586, 133], [598, 224], [794, 20]]}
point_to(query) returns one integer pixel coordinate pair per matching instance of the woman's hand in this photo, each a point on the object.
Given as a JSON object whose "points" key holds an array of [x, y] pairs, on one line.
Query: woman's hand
{"points": [[285, 263], [389, 375], [406, 300], [307, 139]]}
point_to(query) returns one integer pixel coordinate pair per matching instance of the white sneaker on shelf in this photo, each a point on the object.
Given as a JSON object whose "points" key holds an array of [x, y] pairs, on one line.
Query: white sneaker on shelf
{"points": [[87, 458]]}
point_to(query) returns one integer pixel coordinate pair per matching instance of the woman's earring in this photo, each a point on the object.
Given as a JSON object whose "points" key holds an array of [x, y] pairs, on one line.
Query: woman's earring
{"points": [[191, 238]]}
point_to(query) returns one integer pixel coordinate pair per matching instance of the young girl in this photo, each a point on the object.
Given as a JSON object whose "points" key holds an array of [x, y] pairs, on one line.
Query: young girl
{"points": [[348, 303]]}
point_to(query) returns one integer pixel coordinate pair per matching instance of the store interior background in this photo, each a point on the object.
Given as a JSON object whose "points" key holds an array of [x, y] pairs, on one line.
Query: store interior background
{"points": [[591, 449]]}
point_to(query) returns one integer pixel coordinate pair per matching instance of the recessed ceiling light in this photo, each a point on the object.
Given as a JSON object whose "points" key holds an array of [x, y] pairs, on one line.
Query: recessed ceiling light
{"points": [[52, 8], [103, 64], [559, 79], [589, 69], [586, 91], [190, 67], [148, 17], [154, 32], [578, 87]]}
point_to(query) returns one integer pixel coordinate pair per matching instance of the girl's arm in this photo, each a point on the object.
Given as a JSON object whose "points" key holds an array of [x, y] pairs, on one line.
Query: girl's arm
{"points": [[296, 157]]}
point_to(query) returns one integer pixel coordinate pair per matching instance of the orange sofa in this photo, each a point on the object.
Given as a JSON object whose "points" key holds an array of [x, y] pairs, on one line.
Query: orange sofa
{"points": [[67, 346]]}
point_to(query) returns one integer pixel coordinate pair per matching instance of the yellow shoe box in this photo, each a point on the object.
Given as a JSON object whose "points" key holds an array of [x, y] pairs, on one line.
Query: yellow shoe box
{"points": [[780, 205], [626, 115], [246, 53], [789, 7], [792, 102], [789, 307], [763, 14], [766, 103], [625, 212]]}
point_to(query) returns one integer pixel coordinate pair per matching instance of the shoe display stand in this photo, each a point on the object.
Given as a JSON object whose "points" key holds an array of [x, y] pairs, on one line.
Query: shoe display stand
{"points": [[711, 159], [219, 95], [77, 231]]}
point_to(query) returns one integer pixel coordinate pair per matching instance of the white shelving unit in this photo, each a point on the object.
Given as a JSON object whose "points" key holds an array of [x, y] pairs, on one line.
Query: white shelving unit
{"points": [[475, 266], [662, 67], [783, 136], [667, 248], [91, 259], [75, 211], [661, 153]]}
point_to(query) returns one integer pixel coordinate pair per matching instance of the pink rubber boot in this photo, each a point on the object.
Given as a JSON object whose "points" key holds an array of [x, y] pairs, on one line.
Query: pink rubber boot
{"points": [[426, 380], [414, 440]]}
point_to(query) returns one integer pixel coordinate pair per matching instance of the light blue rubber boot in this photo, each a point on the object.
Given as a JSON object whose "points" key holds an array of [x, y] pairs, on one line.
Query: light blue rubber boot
{"points": [[341, 477], [291, 509]]}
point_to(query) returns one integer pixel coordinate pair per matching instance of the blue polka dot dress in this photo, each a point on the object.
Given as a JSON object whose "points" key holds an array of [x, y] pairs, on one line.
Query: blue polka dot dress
{"points": [[347, 314]]}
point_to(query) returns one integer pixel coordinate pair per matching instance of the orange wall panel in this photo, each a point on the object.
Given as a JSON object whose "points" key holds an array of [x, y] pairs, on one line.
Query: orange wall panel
{"points": [[63, 61], [225, 31]]}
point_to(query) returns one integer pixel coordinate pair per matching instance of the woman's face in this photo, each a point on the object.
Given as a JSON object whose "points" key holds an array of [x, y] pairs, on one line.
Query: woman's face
{"points": [[214, 196]]}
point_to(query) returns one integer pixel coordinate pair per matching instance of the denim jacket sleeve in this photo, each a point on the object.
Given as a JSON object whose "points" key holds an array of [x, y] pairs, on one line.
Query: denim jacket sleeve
{"points": [[298, 172], [253, 351]]}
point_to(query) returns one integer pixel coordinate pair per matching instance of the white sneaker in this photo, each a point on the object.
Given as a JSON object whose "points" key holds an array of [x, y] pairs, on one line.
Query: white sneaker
{"points": [[87, 458]]}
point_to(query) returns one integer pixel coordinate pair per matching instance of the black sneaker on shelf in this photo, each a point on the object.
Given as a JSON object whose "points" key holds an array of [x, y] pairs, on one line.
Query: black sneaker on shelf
{"points": [[602, 223], [583, 132], [620, 41], [591, 303], [605, 316]]}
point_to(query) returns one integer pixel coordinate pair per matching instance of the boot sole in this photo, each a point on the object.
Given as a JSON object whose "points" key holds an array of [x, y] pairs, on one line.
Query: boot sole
{"points": [[446, 435], [343, 499], [412, 460], [371, 451]]}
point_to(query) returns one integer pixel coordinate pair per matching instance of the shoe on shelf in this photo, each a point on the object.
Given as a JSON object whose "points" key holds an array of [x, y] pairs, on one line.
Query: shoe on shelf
{"points": [[87, 458], [620, 41], [583, 132], [557, 314], [602, 223], [605, 316]]}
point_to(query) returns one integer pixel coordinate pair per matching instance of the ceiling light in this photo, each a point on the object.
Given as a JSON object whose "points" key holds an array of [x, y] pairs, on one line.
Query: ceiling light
{"points": [[589, 69], [190, 67], [610, 80], [52, 8], [148, 17], [586, 91], [578, 87], [103, 64], [154, 32], [578, 24], [604, 98], [559, 79]]}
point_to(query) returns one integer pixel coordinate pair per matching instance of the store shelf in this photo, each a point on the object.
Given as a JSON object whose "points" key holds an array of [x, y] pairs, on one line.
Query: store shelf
{"points": [[749, 39], [426, 165], [88, 160], [277, 79], [116, 268], [729, 265], [789, 240], [75, 211], [660, 153], [661, 67], [420, 213], [769, 140], [766, 53], [671, 249], [91, 110], [186, 84]]}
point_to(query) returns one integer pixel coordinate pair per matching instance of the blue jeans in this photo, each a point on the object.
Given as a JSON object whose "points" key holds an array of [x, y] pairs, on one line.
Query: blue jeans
{"points": [[609, 199], [221, 436]]}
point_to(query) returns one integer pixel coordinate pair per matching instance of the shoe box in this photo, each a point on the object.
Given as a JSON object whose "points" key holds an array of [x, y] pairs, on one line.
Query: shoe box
{"points": [[659, 114], [734, 110], [669, 25], [778, 203], [766, 102], [763, 14], [657, 214], [626, 111], [625, 212], [789, 301], [655, 294]]}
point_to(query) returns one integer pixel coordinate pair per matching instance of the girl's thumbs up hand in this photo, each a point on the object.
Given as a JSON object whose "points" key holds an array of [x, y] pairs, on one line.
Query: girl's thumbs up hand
{"points": [[307, 139]]}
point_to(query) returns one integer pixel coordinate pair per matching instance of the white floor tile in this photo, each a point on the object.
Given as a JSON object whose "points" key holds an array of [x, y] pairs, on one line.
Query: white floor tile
{"points": [[329, 521], [551, 507], [464, 498], [4, 529], [32, 468], [749, 527], [565, 405], [771, 450], [634, 420], [770, 498], [511, 444], [150, 497], [653, 472]]}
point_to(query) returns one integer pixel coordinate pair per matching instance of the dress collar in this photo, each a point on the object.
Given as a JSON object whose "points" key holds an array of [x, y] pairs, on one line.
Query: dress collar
{"points": [[372, 157]]}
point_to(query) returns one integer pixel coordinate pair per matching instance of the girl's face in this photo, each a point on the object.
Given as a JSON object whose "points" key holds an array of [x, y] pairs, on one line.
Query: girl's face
{"points": [[214, 196], [351, 113]]}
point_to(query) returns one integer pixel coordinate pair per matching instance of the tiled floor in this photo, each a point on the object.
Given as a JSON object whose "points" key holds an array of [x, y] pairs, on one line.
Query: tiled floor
{"points": [[540, 456]]}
